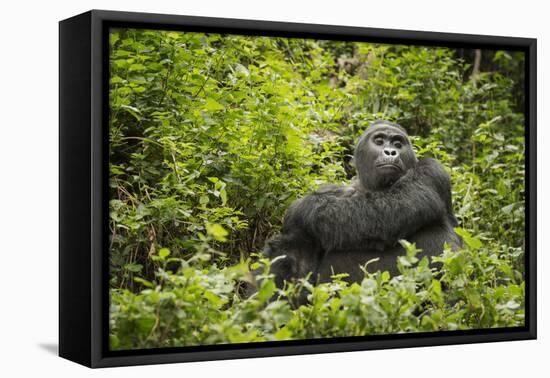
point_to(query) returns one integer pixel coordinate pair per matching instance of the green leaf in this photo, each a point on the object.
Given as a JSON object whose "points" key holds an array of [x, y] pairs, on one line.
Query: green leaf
{"points": [[213, 105], [217, 231], [436, 287], [283, 334], [114, 341], [137, 67], [145, 324], [134, 267], [164, 253], [114, 37], [135, 112], [473, 297], [471, 241], [266, 290], [239, 68], [508, 208], [144, 282], [213, 298]]}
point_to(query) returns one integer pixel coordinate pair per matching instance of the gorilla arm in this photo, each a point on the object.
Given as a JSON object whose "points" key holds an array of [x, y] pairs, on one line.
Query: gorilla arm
{"points": [[374, 219]]}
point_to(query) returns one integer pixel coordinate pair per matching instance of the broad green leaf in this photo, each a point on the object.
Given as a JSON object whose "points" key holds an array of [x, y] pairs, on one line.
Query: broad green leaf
{"points": [[217, 231], [213, 105], [471, 241], [164, 253]]}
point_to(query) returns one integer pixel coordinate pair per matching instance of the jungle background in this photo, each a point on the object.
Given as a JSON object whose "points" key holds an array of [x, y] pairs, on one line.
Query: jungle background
{"points": [[212, 137]]}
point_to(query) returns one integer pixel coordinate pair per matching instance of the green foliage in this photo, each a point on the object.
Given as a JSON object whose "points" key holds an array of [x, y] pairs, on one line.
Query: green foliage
{"points": [[212, 137], [200, 305]]}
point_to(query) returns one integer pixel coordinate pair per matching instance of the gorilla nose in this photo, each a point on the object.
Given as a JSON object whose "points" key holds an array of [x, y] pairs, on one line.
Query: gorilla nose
{"points": [[390, 152]]}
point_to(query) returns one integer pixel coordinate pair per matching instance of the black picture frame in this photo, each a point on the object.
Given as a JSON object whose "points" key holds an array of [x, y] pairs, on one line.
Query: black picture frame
{"points": [[83, 179]]}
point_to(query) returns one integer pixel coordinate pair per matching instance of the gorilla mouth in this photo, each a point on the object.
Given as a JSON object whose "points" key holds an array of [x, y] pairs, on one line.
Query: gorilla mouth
{"points": [[389, 165]]}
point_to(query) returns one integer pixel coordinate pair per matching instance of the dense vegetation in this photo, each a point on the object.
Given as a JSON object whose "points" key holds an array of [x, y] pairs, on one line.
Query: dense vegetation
{"points": [[212, 137]]}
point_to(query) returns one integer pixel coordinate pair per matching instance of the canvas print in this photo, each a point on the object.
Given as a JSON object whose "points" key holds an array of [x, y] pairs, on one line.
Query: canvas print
{"points": [[266, 189]]}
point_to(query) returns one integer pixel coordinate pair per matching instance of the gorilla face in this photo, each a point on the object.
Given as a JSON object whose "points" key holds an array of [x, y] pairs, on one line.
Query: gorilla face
{"points": [[383, 154]]}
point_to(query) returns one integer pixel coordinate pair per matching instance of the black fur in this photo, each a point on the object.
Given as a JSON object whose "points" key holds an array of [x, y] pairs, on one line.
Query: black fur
{"points": [[339, 228]]}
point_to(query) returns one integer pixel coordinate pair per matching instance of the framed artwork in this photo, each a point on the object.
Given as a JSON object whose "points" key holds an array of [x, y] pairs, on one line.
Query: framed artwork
{"points": [[234, 188]]}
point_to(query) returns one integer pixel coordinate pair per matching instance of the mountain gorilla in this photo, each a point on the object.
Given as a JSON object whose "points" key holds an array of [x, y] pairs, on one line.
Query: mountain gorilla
{"points": [[337, 229]]}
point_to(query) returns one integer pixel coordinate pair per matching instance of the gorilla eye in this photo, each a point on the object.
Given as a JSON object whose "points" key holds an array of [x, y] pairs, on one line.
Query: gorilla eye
{"points": [[378, 141], [398, 145]]}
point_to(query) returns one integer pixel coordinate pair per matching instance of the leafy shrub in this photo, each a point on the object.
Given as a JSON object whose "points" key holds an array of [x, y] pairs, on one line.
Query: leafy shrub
{"points": [[199, 304], [212, 137]]}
